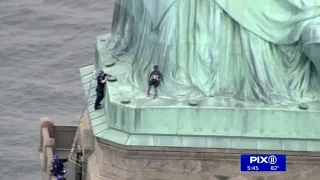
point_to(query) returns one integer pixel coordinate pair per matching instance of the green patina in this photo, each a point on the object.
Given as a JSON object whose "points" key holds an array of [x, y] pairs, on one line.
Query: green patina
{"points": [[222, 127], [241, 106]]}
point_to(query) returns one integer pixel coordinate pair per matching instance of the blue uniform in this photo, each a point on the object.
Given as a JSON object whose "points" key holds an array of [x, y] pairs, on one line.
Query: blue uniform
{"points": [[57, 166], [100, 89]]}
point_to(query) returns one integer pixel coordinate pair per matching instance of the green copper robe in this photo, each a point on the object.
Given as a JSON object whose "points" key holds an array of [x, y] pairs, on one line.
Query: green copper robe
{"points": [[246, 49]]}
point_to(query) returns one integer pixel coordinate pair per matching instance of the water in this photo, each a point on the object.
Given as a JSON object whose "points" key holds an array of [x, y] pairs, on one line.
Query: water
{"points": [[43, 43]]}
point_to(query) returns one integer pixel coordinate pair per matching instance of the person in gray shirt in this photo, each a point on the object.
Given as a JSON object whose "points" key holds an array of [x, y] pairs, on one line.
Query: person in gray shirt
{"points": [[154, 80]]}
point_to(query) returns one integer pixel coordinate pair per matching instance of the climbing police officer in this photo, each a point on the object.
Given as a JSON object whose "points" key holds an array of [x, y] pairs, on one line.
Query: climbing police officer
{"points": [[101, 80], [57, 166]]}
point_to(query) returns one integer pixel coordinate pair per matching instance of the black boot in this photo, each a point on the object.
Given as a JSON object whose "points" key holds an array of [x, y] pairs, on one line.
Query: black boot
{"points": [[97, 108]]}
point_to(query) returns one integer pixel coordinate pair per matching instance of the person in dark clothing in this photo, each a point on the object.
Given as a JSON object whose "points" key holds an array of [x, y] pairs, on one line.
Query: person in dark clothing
{"points": [[57, 166], [101, 80], [154, 80]]}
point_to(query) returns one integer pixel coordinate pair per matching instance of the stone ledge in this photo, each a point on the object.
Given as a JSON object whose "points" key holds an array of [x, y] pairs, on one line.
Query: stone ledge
{"points": [[171, 118], [155, 140], [212, 116], [174, 123], [65, 128], [138, 152], [119, 162], [86, 136]]}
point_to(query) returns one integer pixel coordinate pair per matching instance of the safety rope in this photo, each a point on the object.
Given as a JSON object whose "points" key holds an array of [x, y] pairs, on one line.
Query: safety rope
{"points": [[71, 159], [74, 161]]}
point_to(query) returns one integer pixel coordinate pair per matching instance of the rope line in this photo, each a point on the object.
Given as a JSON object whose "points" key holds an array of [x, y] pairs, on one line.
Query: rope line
{"points": [[74, 161], [71, 159]]}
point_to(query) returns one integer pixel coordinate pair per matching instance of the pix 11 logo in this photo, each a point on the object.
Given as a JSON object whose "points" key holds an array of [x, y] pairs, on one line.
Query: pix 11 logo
{"points": [[263, 159]]}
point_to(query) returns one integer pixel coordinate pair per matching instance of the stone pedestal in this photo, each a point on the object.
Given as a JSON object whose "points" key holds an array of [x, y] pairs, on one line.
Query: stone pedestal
{"points": [[116, 162]]}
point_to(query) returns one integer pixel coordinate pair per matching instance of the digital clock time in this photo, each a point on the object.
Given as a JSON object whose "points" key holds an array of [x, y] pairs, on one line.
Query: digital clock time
{"points": [[252, 168]]}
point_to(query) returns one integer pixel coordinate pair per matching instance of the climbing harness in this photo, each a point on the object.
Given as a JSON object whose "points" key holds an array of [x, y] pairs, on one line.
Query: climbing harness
{"points": [[71, 159]]}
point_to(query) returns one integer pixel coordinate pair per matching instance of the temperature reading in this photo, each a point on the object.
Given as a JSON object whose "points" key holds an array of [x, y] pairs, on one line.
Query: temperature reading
{"points": [[274, 168]]}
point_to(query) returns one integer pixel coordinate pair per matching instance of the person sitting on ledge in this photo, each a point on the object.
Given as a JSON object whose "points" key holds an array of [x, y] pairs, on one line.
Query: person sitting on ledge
{"points": [[154, 80], [101, 79]]}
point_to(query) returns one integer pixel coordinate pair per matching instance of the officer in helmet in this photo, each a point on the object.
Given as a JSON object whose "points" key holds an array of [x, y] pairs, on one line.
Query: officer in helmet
{"points": [[101, 80], [57, 165]]}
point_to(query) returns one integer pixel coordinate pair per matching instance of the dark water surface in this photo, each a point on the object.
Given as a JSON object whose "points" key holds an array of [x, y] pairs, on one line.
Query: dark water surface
{"points": [[42, 45]]}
